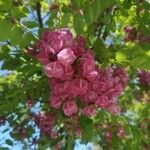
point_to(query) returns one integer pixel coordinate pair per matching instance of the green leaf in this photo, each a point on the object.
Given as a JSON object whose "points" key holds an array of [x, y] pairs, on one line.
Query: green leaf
{"points": [[97, 9], [5, 28], [16, 35], [18, 12], [29, 131], [102, 53], [88, 15], [142, 62], [84, 121], [5, 5], [26, 40], [11, 64], [120, 57], [31, 24], [65, 20], [9, 142], [76, 3], [78, 23], [5, 130], [4, 52]]}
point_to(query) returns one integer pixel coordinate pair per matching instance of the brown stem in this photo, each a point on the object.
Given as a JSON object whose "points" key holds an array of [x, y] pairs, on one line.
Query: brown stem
{"points": [[38, 10]]}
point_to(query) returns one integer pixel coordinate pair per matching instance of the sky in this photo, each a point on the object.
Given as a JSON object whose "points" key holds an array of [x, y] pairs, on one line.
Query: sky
{"points": [[2, 72]]}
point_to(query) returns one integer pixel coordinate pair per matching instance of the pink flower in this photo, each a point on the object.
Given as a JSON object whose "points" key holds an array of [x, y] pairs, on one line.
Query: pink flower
{"points": [[78, 72], [108, 136], [53, 81], [90, 97], [63, 90], [89, 110], [69, 108], [79, 87], [92, 76], [117, 90], [73, 74], [66, 56], [68, 73], [102, 86], [45, 47], [55, 101], [41, 56], [54, 69], [114, 109], [144, 77], [87, 58], [95, 86], [67, 37], [67, 86], [59, 89], [88, 68], [78, 46], [54, 40], [121, 132], [46, 123], [102, 102]]}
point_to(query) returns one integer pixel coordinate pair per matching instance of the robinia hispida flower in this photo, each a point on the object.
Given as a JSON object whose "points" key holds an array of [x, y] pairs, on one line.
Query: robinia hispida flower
{"points": [[73, 74]]}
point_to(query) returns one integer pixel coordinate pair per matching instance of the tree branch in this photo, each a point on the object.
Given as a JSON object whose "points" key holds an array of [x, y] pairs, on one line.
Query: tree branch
{"points": [[38, 11]]}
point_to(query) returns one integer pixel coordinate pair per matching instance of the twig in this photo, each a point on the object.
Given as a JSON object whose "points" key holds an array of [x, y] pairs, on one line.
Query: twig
{"points": [[38, 10], [46, 15], [27, 29], [8, 42], [34, 15]]}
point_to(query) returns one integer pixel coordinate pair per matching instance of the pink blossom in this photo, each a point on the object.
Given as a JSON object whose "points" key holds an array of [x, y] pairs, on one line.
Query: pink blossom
{"points": [[89, 110], [41, 56], [69, 108], [88, 68], [59, 89], [79, 87], [92, 76], [102, 86], [95, 86], [144, 77], [90, 97], [68, 73], [67, 37], [114, 109], [22, 133], [46, 123], [73, 73], [55, 101], [87, 57], [54, 69], [78, 46], [108, 136], [102, 102], [53, 81], [121, 132], [66, 56], [54, 40], [117, 90]]}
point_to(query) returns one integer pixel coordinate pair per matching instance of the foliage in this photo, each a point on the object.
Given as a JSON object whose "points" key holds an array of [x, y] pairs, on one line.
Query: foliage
{"points": [[118, 32]]}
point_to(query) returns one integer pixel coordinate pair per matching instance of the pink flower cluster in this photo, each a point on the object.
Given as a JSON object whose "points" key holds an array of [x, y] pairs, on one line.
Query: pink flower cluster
{"points": [[131, 33], [73, 74], [45, 123], [144, 77]]}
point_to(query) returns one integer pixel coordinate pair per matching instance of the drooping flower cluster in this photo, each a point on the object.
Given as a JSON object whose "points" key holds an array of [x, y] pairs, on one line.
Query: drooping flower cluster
{"points": [[144, 77], [73, 74], [46, 123], [2, 120], [133, 35]]}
